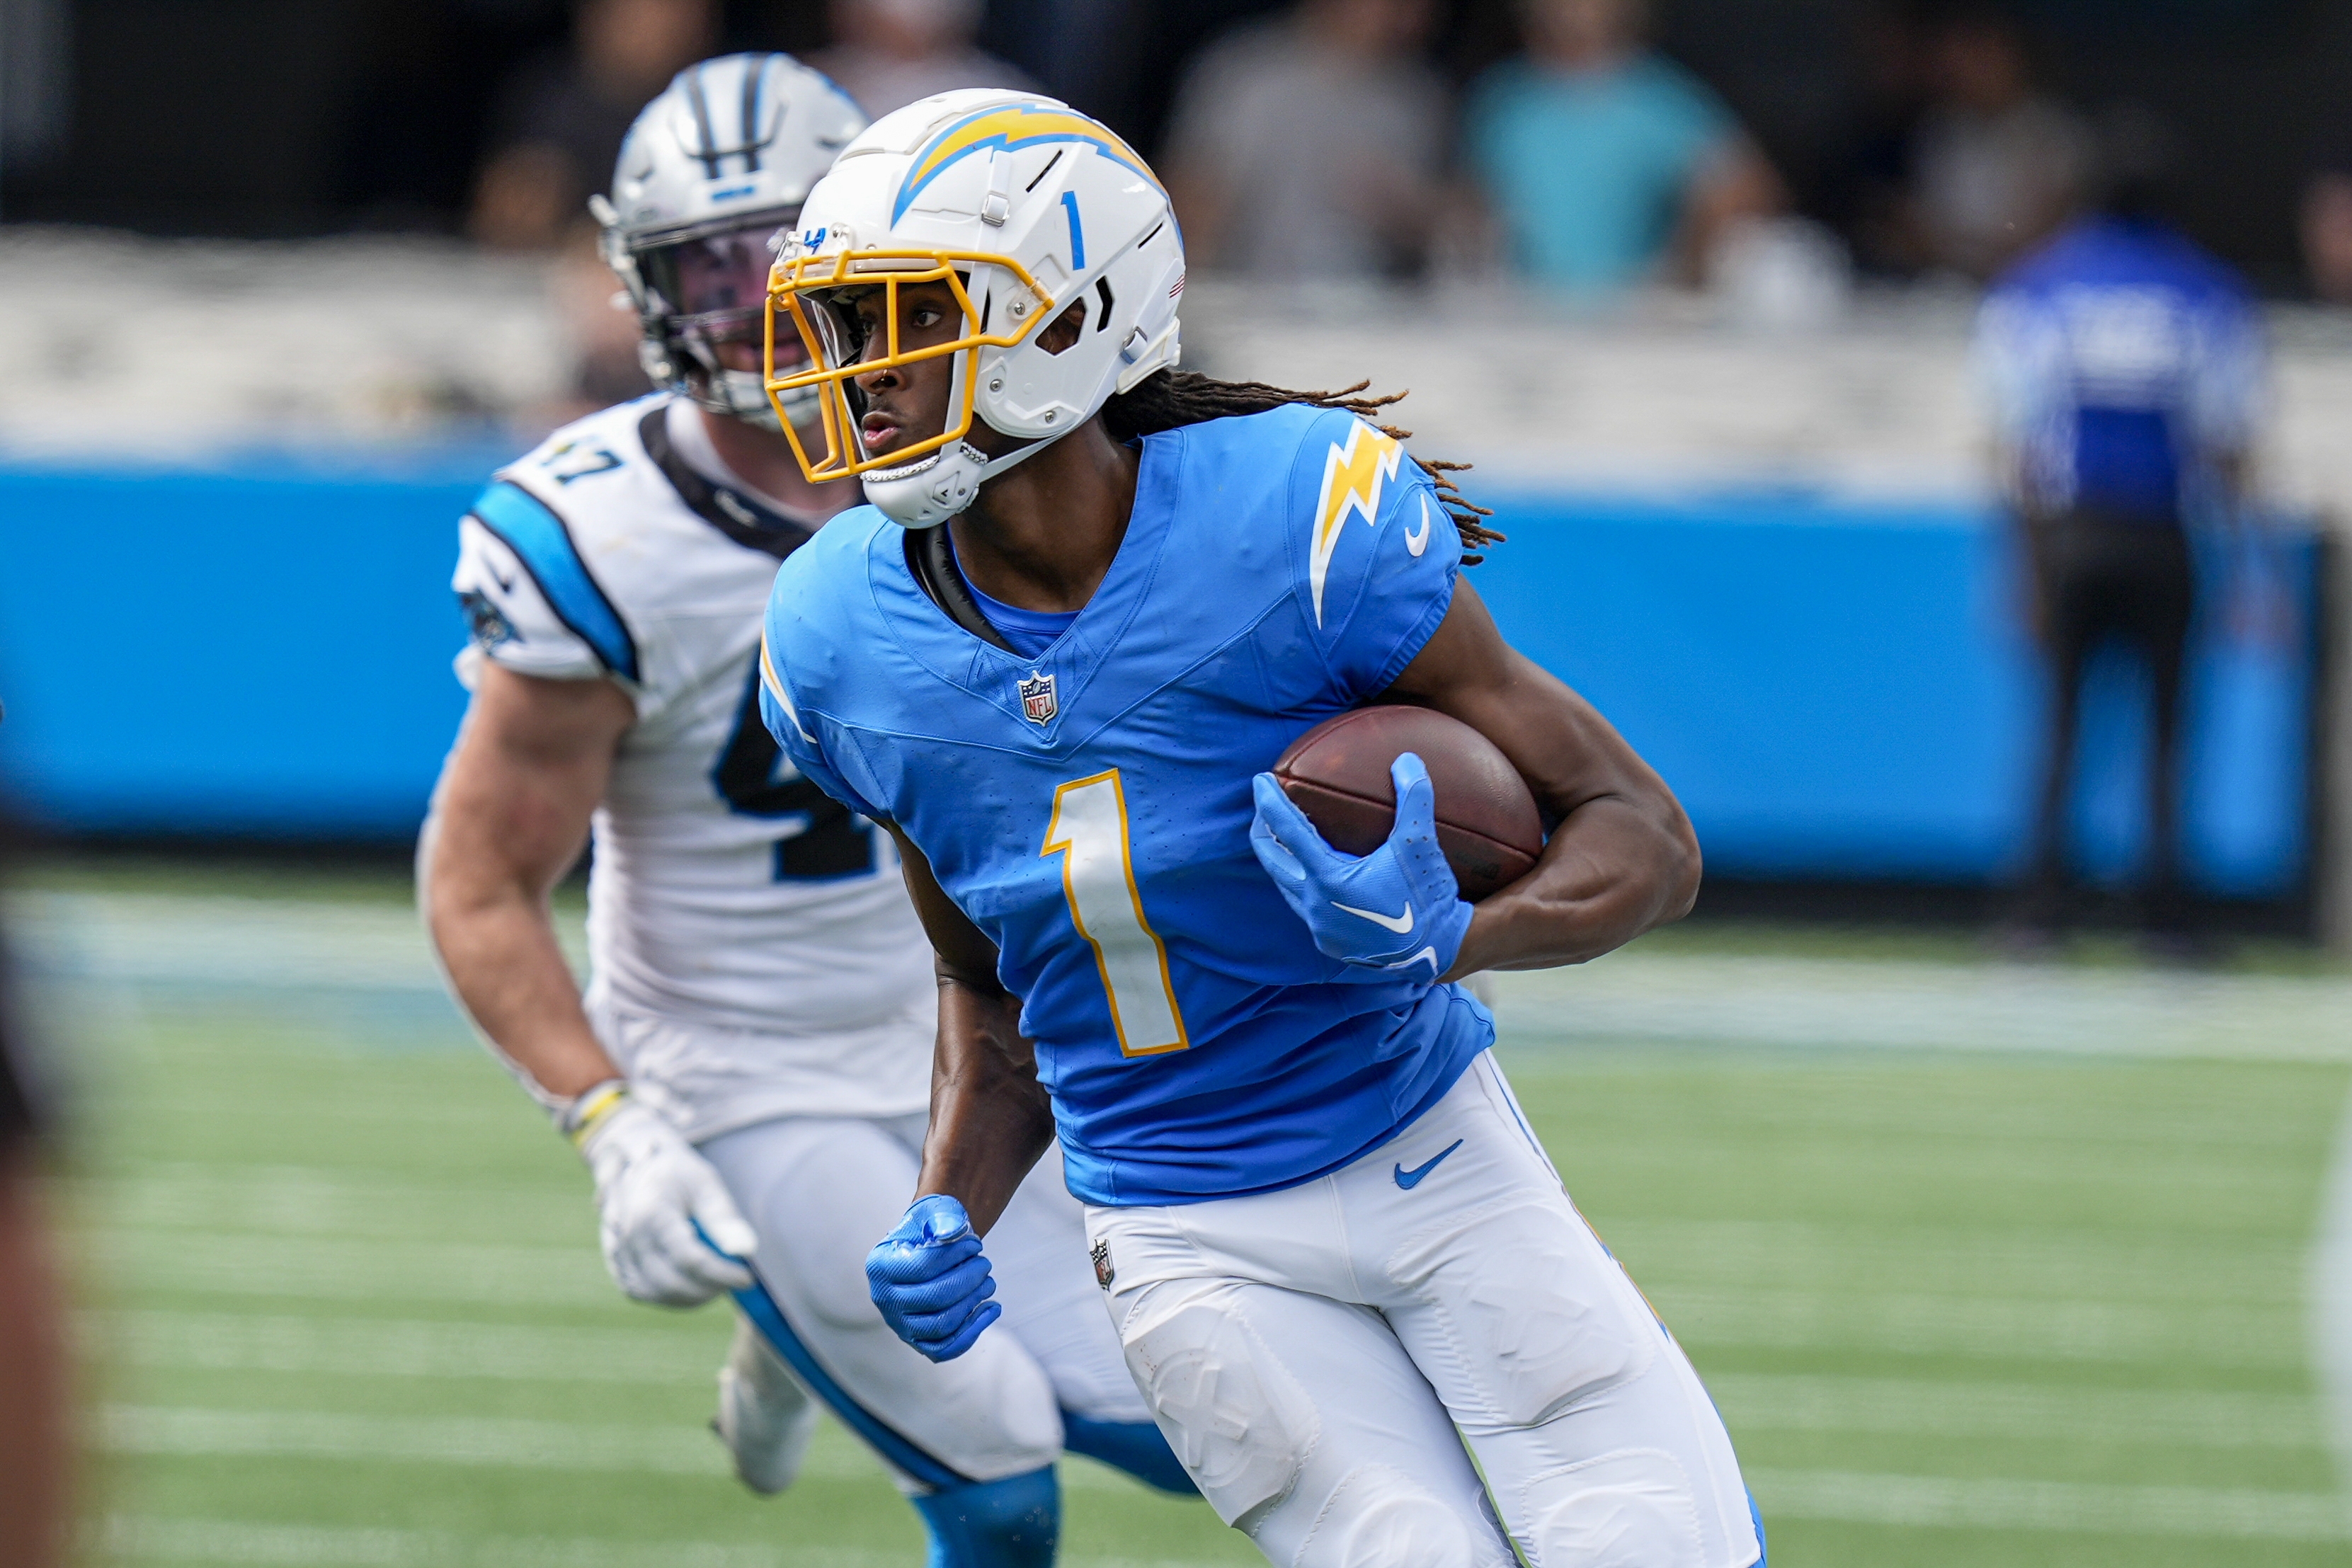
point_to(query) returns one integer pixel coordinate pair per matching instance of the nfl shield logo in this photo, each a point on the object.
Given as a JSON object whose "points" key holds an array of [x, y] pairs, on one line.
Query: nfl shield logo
{"points": [[1103, 1272], [1037, 698]]}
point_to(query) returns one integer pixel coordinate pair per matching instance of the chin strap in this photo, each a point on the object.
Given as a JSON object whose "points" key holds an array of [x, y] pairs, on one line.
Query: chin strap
{"points": [[936, 486], [931, 559]]}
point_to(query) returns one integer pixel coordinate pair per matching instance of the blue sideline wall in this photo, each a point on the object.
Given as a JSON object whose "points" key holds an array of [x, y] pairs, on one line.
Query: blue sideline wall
{"points": [[1836, 690]]}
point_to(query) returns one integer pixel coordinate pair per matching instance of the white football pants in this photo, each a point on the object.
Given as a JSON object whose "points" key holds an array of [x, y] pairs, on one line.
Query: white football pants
{"points": [[821, 1191], [1319, 1357]]}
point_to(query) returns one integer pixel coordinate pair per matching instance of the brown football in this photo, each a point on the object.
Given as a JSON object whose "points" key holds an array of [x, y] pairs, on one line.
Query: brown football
{"points": [[1487, 824]]}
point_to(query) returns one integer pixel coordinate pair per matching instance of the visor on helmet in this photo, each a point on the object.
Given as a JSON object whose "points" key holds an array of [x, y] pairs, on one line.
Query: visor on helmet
{"points": [[711, 292]]}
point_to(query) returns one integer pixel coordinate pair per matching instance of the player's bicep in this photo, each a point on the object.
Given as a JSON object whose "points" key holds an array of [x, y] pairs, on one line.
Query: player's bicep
{"points": [[530, 765], [1569, 754], [966, 955]]}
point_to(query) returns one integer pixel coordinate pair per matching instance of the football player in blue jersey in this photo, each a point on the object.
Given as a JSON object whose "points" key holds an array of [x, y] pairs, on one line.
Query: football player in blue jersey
{"points": [[748, 1073], [1093, 598]]}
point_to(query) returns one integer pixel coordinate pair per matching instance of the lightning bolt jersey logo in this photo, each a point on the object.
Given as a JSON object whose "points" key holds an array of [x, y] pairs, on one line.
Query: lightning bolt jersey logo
{"points": [[1352, 477]]}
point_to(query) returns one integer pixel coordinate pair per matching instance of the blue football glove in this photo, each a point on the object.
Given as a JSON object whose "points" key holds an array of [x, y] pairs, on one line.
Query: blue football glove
{"points": [[931, 1281], [1396, 908]]}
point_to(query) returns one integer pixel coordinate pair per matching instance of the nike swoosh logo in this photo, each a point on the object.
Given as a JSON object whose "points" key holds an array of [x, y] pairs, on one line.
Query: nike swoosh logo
{"points": [[506, 583], [1409, 1179], [1400, 923], [1428, 953], [1416, 543]]}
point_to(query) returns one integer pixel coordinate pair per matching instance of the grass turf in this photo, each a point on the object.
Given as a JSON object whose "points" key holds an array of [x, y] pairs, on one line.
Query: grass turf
{"points": [[343, 1305]]}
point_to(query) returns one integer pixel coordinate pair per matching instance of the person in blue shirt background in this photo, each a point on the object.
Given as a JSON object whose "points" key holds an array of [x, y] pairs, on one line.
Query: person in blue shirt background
{"points": [[1605, 162], [2125, 370]]}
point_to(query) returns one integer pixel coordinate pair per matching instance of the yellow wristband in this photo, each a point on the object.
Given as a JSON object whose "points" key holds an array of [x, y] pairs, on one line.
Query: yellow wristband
{"points": [[588, 1112]]}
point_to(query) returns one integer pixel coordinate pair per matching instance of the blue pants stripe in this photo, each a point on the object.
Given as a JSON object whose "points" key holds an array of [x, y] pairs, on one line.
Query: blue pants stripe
{"points": [[886, 1440]]}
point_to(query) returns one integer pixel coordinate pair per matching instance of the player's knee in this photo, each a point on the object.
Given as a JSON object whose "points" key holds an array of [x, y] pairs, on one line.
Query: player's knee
{"points": [[1381, 1518], [1243, 1425], [1010, 1523], [1530, 1300], [1634, 1509]]}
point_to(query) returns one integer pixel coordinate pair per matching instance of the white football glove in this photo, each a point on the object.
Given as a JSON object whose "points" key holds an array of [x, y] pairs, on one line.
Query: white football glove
{"points": [[653, 1190]]}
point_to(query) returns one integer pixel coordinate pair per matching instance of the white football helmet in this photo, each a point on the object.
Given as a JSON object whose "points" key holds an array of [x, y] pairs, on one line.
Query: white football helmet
{"points": [[710, 170], [1021, 205]]}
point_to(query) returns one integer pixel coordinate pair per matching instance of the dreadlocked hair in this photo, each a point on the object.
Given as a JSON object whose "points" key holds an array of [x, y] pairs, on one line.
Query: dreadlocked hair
{"points": [[1167, 399]]}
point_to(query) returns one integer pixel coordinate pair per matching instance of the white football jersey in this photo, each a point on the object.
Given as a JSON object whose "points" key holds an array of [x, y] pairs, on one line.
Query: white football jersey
{"points": [[753, 950]]}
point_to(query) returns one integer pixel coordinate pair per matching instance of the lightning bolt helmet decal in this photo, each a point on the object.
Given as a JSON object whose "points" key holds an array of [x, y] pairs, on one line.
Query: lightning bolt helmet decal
{"points": [[1010, 126]]}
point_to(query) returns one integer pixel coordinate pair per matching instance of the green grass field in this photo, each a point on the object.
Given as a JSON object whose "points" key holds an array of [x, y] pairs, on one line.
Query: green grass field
{"points": [[1984, 1265]]}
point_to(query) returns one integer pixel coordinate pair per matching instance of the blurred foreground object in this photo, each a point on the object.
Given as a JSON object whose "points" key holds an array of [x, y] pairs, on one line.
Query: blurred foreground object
{"points": [[2125, 370], [889, 53], [1604, 160], [34, 1451], [1309, 145], [560, 120]]}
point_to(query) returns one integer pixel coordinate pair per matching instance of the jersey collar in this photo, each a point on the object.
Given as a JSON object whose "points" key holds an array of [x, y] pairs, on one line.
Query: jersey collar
{"points": [[921, 608], [746, 520]]}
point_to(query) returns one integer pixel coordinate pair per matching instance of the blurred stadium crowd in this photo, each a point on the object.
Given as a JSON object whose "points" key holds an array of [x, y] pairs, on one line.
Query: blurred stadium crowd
{"points": [[1585, 144], [1782, 163]]}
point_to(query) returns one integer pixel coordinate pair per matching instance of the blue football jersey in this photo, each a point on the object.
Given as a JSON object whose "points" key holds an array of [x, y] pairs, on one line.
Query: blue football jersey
{"points": [[2121, 359], [1089, 808]]}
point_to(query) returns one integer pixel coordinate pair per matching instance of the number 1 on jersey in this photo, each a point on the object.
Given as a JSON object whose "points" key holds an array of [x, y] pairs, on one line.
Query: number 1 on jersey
{"points": [[1089, 833]]}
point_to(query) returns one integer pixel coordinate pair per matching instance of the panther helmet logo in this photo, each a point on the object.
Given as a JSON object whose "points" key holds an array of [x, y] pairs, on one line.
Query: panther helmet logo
{"points": [[489, 625], [1037, 698], [1103, 1272]]}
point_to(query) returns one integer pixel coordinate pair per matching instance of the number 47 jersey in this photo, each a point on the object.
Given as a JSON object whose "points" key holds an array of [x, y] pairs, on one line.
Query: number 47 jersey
{"points": [[1089, 808], [752, 948]]}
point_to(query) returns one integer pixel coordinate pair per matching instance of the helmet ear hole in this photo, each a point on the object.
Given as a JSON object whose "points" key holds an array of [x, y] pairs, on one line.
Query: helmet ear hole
{"points": [[1061, 335]]}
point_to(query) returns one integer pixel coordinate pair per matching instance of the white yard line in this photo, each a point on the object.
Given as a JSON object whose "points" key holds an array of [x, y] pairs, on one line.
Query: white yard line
{"points": [[2076, 1506], [151, 1539], [340, 1206], [392, 1347], [1641, 995], [318, 1269], [1995, 1327], [333, 1203], [2033, 1412], [1990, 1328], [1909, 1501], [139, 1539], [171, 938], [1950, 1260], [365, 1347], [506, 1442]]}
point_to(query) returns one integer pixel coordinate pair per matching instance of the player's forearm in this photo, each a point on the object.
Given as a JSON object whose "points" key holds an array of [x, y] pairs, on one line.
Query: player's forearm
{"points": [[1615, 868], [991, 1118], [497, 940]]}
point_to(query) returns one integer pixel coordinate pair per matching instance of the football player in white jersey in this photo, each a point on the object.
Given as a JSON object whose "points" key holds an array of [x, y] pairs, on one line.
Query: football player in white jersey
{"points": [[749, 1072]]}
